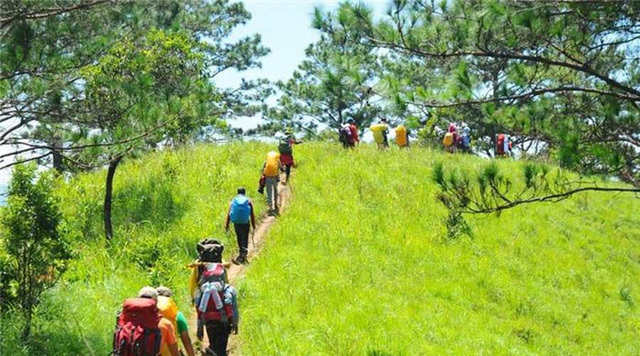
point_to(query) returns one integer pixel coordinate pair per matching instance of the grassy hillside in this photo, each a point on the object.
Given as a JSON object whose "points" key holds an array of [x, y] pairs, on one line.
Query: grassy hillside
{"points": [[360, 265], [163, 204]]}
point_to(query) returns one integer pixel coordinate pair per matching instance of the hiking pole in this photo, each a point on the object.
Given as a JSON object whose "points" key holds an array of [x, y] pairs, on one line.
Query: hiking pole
{"points": [[253, 241]]}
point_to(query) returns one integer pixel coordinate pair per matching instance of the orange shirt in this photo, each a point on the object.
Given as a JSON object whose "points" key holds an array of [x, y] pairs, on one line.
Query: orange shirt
{"points": [[168, 336]]}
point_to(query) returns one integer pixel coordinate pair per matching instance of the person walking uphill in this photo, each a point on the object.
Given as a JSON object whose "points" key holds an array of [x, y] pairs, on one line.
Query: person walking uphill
{"points": [[380, 132], [169, 310], [402, 136], [286, 152], [241, 212], [271, 171], [169, 341], [354, 139], [215, 299]]}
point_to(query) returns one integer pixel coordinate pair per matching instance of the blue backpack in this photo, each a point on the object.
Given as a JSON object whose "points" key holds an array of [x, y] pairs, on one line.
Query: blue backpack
{"points": [[466, 140], [240, 210]]}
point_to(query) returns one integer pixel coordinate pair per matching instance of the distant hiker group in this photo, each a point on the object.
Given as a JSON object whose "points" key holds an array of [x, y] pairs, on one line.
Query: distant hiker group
{"points": [[380, 130], [349, 134], [151, 325], [454, 141]]}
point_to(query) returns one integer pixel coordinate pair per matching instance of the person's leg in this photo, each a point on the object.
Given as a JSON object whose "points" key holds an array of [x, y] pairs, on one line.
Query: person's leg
{"points": [[212, 335], [223, 339], [269, 184], [218, 334], [242, 232], [275, 193], [288, 171]]}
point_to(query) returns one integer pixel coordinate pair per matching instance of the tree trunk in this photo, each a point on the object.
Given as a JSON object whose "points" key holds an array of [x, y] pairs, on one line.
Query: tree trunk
{"points": [[26, 329], [108, 195], [495, 83], [57, 161]]}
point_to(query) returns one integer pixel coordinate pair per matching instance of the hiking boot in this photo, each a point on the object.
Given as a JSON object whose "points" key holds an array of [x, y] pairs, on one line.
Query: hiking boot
{"points": [[240, 260]]}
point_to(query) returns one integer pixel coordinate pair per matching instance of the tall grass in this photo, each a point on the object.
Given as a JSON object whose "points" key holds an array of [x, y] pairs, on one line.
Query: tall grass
{"points": [[163, 204], [360, 265]]}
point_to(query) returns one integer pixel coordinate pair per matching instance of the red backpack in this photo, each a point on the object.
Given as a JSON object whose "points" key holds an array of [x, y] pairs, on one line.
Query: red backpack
{"points": [[212, 285], [137, 332], [500, 144]]}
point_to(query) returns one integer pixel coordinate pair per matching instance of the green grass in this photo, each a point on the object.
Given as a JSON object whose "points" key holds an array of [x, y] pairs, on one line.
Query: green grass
{"points": [[360, 265], [163, 204]]}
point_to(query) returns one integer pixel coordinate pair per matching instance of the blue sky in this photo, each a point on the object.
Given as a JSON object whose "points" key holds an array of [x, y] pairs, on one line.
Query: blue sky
{"points": [[285, 27]]}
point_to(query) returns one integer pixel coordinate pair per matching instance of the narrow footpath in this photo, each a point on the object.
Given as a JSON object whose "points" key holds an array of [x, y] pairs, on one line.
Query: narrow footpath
{"points": [[236, 271]]}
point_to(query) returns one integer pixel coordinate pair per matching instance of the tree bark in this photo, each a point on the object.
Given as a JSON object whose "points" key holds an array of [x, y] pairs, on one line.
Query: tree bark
{"points": [[108, 195], [57, 161], [495, 84]]}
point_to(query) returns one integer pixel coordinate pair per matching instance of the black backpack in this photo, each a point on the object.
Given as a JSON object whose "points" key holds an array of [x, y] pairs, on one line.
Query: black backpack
{"points": [[285, 146], [210, 250], [345, 134]]}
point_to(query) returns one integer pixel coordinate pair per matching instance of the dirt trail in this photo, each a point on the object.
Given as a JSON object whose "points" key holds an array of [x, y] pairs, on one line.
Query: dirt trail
{"points": [[236, 271]]}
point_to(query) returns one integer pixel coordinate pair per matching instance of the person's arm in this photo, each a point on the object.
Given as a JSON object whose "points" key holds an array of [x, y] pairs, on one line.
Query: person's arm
{"points": [[186, 341], [193, 283], [253, 216], [226, 225], [264, 165], [173, 349]]}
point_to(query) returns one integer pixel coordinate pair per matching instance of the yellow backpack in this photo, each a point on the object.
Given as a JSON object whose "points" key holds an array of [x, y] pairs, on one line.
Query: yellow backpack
{"points": [[168, 309], [273, 164], [448, 139], [378, 131], [401, 136]]}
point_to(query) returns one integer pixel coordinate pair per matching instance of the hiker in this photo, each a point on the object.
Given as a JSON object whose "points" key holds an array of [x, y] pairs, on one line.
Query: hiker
{"points": [[450, 139], [465, 139], [354, 139], [271, 170], [380, 132], [402, 136], [215, 299], [503, 145], [345, 135], [286, 152], [209, 251], [169, 343], [168, 309], [139, 327], [241, 212]]}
